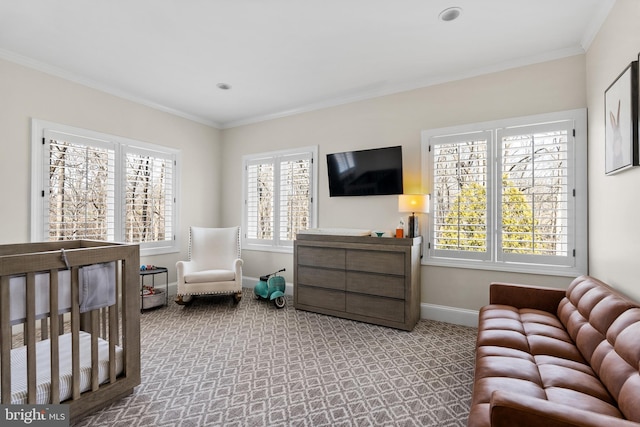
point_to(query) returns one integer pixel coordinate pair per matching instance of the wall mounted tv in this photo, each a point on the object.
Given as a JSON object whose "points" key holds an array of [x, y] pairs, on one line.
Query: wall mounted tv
{"points": [[366, 172]]}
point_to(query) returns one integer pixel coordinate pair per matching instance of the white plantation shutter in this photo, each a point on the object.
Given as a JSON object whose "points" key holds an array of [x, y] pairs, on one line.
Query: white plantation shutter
{"points": [[149, 197], [81, 189], [295, 195], [536, 191], [89, 185], [260, 199], [509, 195], [460, 196], [279, 194]]}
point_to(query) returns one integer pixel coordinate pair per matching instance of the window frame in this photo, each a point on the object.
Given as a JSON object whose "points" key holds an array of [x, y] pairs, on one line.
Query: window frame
{"points": [[122, 146], [577, 183], [276, 157], [462, 138]]}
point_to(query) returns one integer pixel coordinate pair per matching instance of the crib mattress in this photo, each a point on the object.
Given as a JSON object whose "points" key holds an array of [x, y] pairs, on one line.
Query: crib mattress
{"points": [[43, 375]]}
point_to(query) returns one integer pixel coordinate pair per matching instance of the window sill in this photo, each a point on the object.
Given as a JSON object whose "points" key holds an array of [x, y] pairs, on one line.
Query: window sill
{"points": [[144, 252], [547, 270], [265, 248]]}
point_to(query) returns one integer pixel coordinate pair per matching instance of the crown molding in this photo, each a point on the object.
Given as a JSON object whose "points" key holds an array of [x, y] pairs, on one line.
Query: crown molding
{"points": [[75, 78], [385, 88], [370, 92], [596, 22]]}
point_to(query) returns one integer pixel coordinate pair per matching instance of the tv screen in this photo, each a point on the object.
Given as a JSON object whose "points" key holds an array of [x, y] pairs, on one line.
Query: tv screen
{"points": [[365, 172]]}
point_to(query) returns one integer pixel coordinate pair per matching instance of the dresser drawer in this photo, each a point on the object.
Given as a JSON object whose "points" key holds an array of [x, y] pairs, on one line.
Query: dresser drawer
{"points": [[378, 307], [321, 298], [376, 261], [321, 257], [376, 284], [321, 277]]}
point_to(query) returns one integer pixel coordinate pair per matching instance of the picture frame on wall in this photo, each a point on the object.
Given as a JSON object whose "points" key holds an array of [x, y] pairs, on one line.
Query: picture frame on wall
{"points": [[621, 121]]}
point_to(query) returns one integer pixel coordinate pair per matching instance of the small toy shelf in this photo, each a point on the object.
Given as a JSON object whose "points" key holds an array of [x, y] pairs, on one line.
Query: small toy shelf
{"points": [[151, 295]]}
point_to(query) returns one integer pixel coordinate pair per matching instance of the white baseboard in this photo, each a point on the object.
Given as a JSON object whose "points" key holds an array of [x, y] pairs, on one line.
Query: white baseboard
{"points": [[173, 288], [443, 313]]}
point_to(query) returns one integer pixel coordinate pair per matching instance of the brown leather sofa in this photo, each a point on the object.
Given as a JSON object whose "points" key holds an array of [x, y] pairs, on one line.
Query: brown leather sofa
{"points": [[548, 357]]}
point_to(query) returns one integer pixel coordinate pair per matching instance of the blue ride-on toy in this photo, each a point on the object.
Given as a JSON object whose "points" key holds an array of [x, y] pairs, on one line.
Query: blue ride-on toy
{"points": [[272, 287]]}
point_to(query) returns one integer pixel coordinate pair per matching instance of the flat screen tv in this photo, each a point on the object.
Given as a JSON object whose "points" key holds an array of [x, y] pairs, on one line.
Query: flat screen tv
{"points": [[366, 172]]}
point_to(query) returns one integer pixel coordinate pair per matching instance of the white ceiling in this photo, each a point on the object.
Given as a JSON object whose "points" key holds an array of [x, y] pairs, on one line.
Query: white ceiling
{"points": [[284, 56]]}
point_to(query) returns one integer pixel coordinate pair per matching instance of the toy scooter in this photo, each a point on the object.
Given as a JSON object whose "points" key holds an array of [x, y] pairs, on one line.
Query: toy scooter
{"points": [[272, 286]]}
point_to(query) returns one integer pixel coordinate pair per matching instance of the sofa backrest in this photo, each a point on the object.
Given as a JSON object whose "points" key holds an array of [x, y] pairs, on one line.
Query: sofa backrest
{"points": [[605, 326]]}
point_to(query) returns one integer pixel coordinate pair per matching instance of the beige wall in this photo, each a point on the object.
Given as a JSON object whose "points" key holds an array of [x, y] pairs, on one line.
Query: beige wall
{"points": [[212, 176], [614, 201], [26, 93], [397, 120]]}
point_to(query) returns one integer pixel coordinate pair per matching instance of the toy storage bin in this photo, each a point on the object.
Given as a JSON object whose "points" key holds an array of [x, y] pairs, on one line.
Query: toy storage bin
{"points": [[153, 300]]}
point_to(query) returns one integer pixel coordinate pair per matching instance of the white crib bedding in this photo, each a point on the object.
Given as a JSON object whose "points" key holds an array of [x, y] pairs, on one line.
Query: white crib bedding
{"points": [[43, 376]]}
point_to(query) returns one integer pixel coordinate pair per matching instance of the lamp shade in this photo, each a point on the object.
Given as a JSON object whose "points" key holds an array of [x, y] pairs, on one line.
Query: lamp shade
{"points": [[413, 203]]}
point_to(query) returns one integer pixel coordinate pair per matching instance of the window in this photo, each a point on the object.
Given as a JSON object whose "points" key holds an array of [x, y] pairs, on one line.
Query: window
{"points": [[509, 195], [280, 194], [149, 196], [88, 185]]}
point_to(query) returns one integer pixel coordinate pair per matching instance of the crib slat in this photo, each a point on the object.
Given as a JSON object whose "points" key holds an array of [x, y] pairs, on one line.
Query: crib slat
{"points": [[113, 340], [114, 326], [118, 306], [31, 338], [5, 341], [44, 328], [55, 332], [103, 323], [75, 335], [95, 363]]}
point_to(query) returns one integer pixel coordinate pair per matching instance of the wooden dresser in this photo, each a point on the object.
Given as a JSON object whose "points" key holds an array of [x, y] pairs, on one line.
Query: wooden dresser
{"points": [[370, 279]]}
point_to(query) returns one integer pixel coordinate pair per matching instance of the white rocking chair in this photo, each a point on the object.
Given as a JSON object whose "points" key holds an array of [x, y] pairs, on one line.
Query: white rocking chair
{"points": [[214, 265]]}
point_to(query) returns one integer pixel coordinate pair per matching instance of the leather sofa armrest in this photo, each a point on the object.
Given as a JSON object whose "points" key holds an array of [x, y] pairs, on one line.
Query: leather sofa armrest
{"points": [[512, 409], [525, 296]]}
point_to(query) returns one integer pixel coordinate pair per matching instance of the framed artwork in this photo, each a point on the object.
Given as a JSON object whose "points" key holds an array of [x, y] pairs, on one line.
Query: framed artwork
{"points": [[621, 121]]}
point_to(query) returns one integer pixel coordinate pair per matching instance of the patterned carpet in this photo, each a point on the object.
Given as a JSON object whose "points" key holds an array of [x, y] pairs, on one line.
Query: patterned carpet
{"points": [[218, 364]]}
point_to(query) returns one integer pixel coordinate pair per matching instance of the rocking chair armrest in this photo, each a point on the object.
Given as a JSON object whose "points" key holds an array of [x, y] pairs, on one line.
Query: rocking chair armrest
{"points": [[184, 267], [237, 267]]}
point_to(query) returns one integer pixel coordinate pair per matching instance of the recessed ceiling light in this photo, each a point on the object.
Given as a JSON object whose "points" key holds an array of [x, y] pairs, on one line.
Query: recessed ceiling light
{"points": [[450, 14], [224, 86]]}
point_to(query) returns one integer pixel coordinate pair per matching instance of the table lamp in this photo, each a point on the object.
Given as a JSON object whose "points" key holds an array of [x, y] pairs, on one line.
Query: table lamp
{"points": [[414, 203]]}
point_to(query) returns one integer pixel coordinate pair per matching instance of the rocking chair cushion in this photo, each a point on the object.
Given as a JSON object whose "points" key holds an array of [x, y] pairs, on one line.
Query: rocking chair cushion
{"points": [[210, 276]]}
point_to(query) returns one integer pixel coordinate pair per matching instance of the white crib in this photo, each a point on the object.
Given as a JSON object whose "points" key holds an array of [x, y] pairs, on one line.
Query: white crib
{"points": [[69, 324]]}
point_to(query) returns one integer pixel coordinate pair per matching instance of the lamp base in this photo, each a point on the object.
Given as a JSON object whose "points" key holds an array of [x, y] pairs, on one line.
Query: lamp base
{"points": [[413, 230]]}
